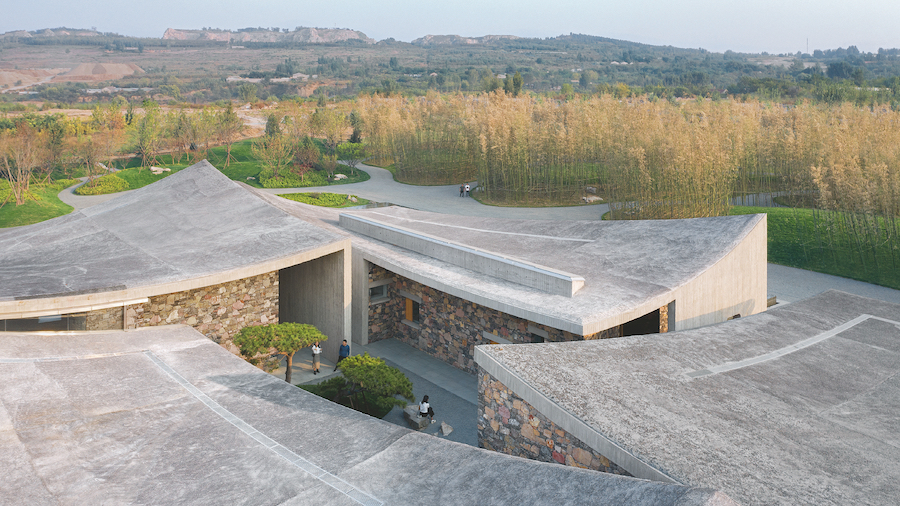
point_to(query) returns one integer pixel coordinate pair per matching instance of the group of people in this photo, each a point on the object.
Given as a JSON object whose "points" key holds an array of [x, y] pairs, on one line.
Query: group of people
{"points": [[425, 409], [343, 353], [464, 190]]}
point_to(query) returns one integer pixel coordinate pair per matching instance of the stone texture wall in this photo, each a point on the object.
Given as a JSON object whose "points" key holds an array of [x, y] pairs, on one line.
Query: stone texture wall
{"points": [[104, 319], [451, 327], [508, 424], [217, 311], [383, 316]]}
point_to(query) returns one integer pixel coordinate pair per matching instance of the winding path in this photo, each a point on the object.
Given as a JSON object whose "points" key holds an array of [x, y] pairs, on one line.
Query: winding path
{"points": [[788, 284]]}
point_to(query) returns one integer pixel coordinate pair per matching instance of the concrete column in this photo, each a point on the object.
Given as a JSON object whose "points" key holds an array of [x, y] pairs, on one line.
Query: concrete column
{"points": [[360, 307]]}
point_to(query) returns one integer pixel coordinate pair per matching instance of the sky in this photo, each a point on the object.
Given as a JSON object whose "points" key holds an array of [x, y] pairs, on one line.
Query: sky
{"points": [[752, 26]]}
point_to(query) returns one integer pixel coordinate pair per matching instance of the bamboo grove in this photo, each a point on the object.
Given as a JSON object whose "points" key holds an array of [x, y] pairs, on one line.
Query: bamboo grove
{"points": [[656, 159]]}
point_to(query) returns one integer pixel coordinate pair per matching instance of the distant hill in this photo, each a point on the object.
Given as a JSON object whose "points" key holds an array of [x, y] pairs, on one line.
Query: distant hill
{"points": [[48, 32], [438, 40], [301, 35]]}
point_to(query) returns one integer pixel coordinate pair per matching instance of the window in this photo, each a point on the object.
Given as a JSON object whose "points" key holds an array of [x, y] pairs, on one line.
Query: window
{"points": [[378, 293], [412, 311]]}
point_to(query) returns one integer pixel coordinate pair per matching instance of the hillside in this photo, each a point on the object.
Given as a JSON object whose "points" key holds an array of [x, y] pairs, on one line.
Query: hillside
{"points": [[301, 35], [436, 40]]}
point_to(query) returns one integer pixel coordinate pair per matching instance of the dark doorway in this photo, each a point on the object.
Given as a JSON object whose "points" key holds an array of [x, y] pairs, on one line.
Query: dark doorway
{"points": [[647, 324]]}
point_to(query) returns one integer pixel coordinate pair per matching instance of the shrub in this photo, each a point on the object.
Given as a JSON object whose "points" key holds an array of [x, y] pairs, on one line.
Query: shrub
{"points": [[109, 183], [318, 199], [290, 180]]}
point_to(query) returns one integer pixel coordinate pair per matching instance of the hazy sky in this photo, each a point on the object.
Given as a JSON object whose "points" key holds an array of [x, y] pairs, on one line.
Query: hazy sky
{"points": [[775, 26]]}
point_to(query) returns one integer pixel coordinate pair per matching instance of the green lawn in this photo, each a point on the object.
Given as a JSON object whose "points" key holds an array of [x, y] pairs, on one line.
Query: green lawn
{"points": [[46, 206], [338, 200], [797, 240], [242, 167]]}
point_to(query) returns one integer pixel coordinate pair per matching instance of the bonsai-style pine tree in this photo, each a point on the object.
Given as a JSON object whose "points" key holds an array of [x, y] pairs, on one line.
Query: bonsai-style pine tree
{"points": [[367, 376], [285, 338]]}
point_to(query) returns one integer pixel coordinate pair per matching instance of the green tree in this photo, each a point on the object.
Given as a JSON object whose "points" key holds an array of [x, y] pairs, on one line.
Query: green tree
{"points": [[228, 127], [370, 377], [351, 154], [149, 133], [247, 92], [274, 152], [285, 338]]}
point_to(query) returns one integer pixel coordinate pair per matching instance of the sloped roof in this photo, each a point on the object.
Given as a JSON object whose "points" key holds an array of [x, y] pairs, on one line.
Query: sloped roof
{"points": [[627, 266], [795, 405], [193, 224], [163, 415]]}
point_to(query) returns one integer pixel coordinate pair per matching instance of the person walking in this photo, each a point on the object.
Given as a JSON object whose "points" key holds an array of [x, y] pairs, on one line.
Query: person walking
{"points": [[467, 190], [460, 190], [343, 353], [425, 409], [316, 351]]}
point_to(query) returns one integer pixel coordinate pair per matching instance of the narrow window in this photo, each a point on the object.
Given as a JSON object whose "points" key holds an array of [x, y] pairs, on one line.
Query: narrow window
{"points": [[412, 310]]}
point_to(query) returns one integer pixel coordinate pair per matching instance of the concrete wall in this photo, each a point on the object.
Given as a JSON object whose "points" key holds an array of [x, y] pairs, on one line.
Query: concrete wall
{"points": [[509, 424], [518, 271], [318, 292], [737, 284]]}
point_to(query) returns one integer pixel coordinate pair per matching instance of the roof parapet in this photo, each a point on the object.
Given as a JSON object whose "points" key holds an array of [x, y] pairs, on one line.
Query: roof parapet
{"points": [[542, 278]]}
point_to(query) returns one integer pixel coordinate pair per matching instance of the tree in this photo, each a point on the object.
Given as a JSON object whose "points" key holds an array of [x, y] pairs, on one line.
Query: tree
{"points": [[247, 92], [306, 156], [228, 127], [20, 153], [351, 154], [273, 125], [329, 124], [285, 338], [512, 85], [274, 152], [149, 133], [370, 376]]}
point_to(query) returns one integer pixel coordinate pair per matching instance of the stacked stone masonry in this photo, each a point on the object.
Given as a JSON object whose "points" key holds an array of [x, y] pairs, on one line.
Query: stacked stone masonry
{"points": [[508, 424], [217, 311], [449, 327], [383, 315], [105, 319]]}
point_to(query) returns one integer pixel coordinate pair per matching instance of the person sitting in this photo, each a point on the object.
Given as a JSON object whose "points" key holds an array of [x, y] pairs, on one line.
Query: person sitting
{"points": [[425, 409]]}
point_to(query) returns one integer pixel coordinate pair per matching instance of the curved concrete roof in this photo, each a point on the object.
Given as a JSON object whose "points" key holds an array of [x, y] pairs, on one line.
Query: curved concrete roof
{"points": [[799, 404], [193, 228], [165, 416], [629, 268]]}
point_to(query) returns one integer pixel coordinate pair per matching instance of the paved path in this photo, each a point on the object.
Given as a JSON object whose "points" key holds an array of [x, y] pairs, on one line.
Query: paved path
{"points": [[381, 187]]}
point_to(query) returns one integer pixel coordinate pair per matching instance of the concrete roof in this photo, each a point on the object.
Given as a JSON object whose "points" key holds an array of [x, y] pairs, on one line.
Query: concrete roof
{"points": [[193, 224], [628, 266], [799, 404], [165, 416]]}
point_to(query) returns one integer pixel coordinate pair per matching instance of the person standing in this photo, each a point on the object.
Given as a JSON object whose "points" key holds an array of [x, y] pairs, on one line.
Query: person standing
{"points": [[425, 409], [467, 190], [316, 351], [343, 353], [460, 190]]}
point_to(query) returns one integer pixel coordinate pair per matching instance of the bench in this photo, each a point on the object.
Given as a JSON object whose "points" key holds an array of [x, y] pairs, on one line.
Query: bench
{"points": [[411, 415]]}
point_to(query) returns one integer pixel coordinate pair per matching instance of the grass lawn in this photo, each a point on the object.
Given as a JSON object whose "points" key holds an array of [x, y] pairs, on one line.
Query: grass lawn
{"points": [[794, 241], [337, 200], [243, 167], [46, 207]]}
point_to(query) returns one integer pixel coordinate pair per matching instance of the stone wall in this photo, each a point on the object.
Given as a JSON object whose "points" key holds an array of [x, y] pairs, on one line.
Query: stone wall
{"points": [[105, 319], [451, 327], [217, 311], [508, 424], [384, 316]]}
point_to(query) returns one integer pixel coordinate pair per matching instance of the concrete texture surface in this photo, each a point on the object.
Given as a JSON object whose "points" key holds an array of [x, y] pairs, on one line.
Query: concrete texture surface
{"points": [[629, 268], [797, 405], [163, 415], [192, 224], [787, 284]]}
